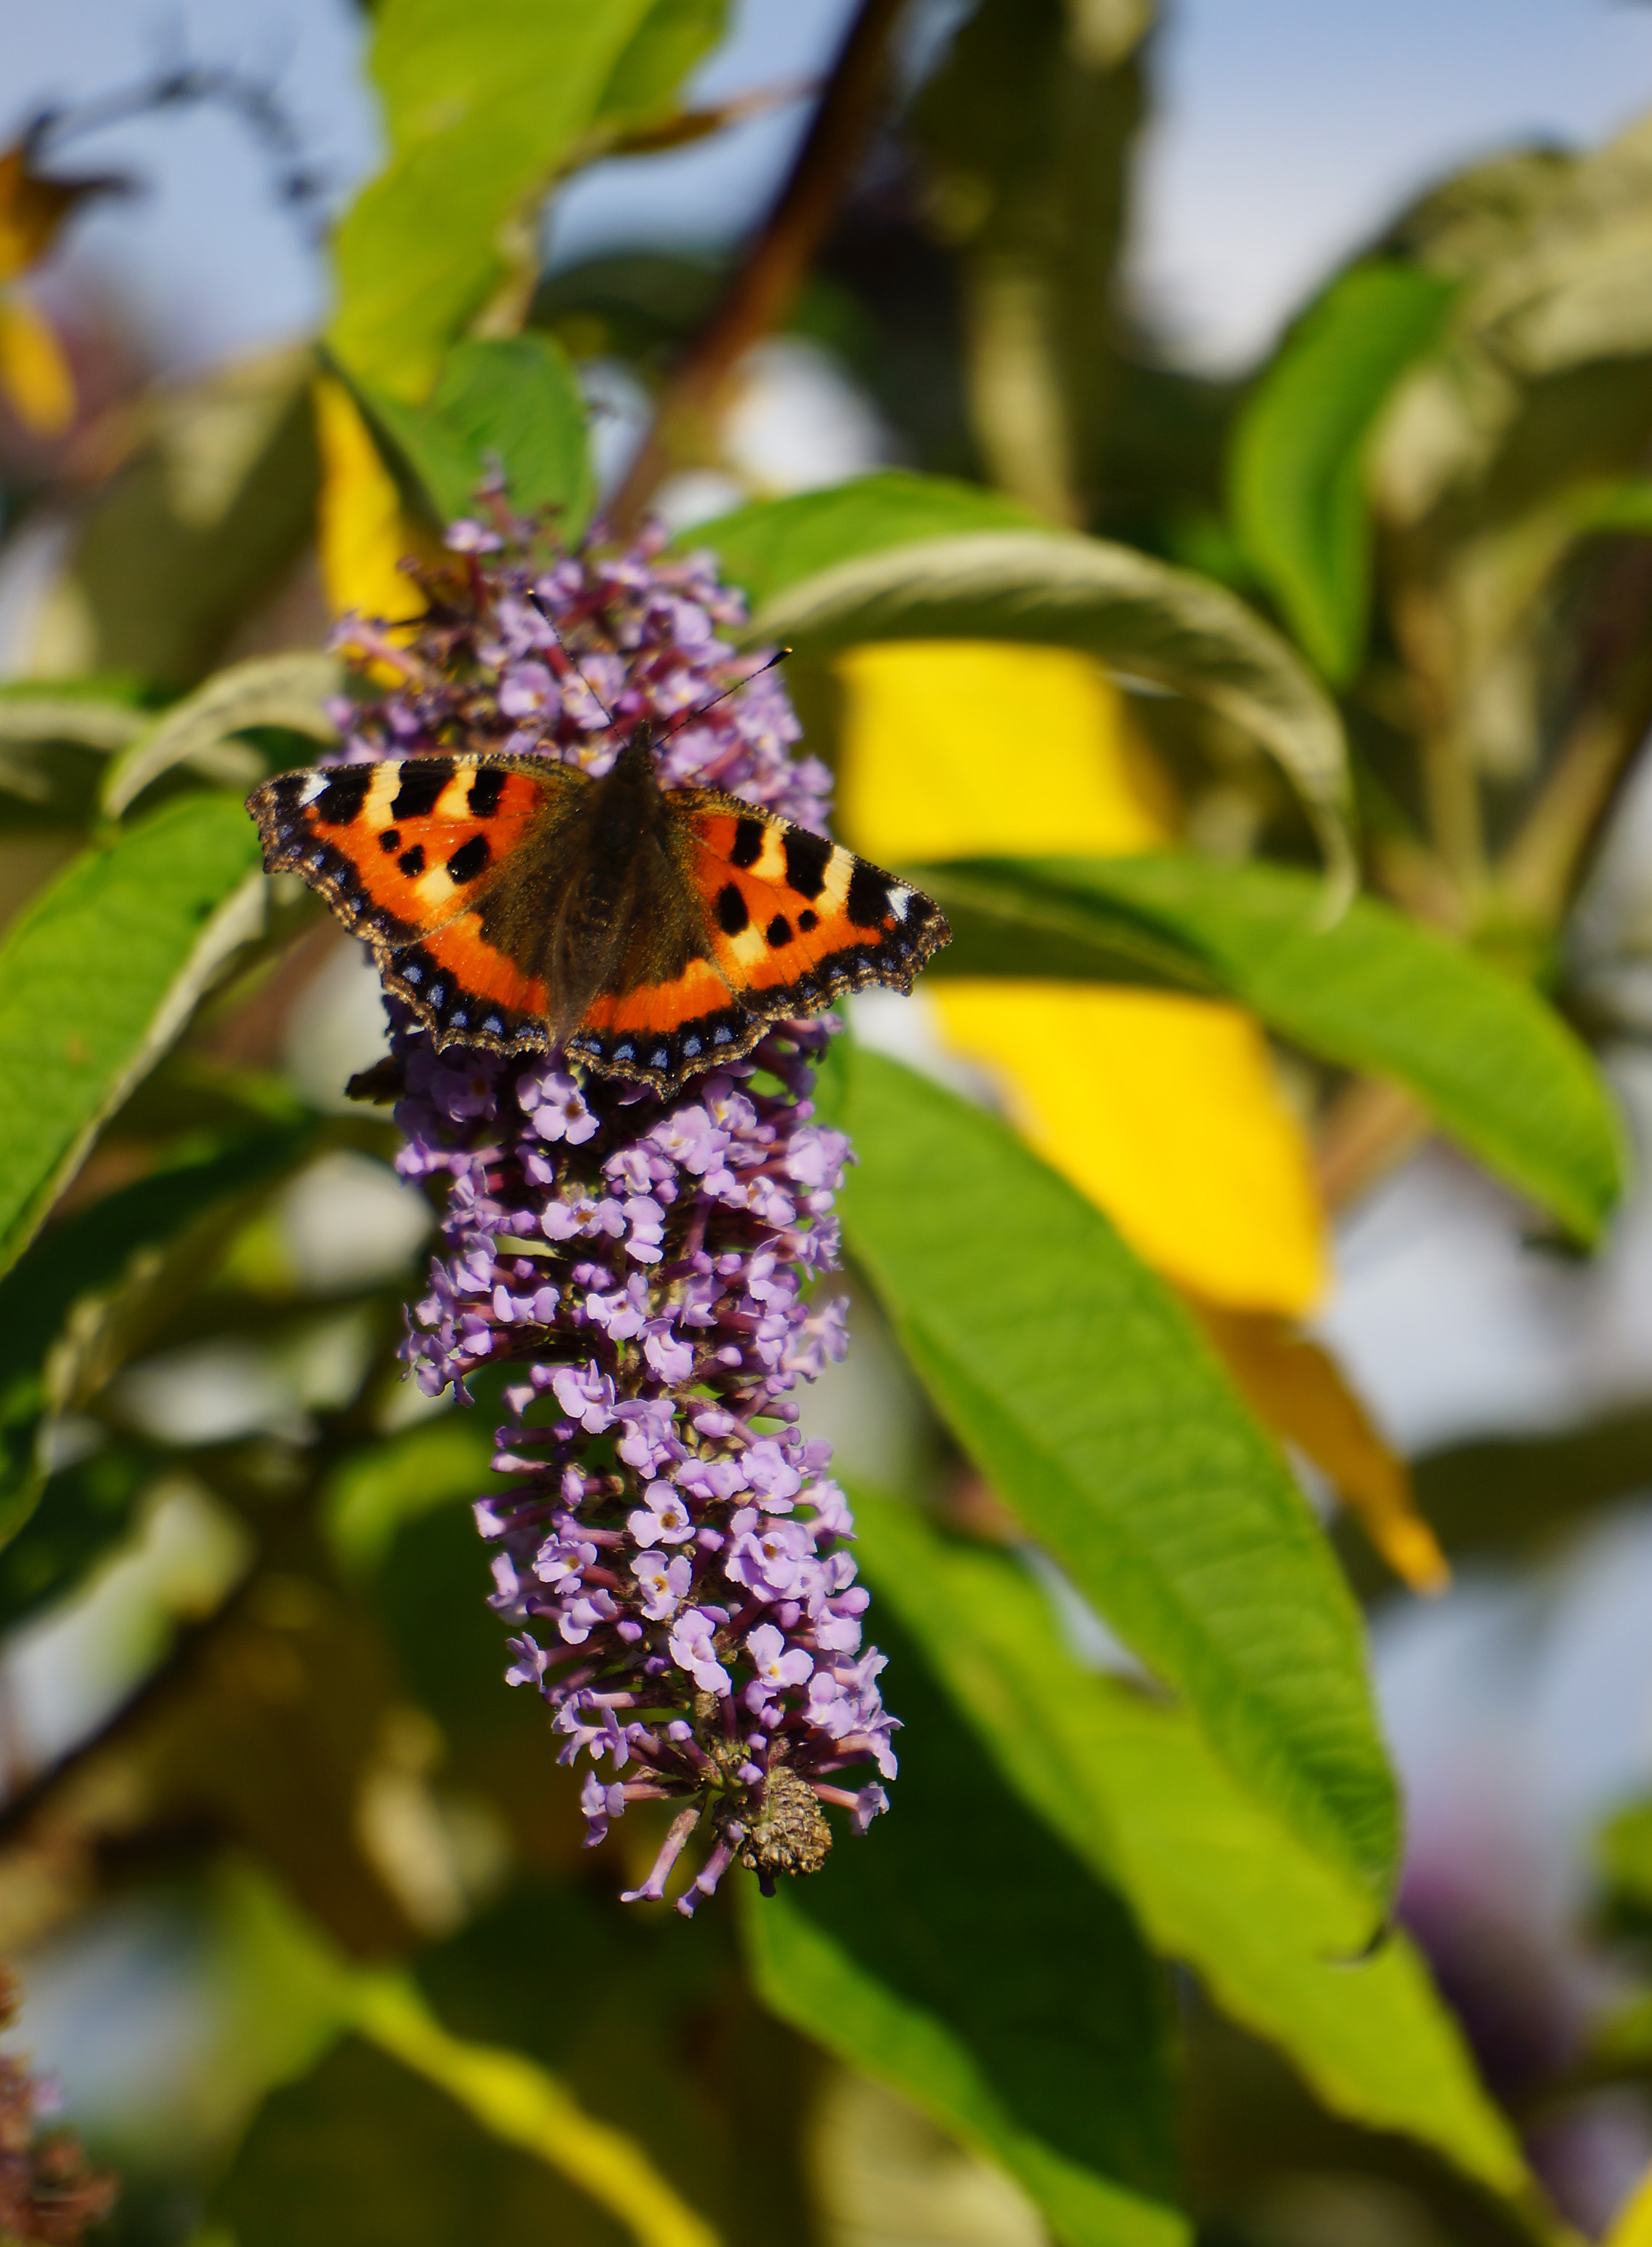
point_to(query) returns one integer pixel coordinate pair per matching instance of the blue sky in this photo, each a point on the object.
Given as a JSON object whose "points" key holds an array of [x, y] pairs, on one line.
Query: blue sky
{"points": [[1287, 130]]}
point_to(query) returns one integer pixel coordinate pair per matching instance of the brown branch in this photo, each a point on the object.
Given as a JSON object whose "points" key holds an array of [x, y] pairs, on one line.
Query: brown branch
{"points": [[1543, 865], [1368, 1131], [685, 127], [774, 267], [191, 1641], [1450, 787]]}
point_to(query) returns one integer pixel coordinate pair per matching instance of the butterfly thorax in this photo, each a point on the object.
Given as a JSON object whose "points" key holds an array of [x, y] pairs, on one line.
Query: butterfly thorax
{"points": [[626, 804], [604, 891]]}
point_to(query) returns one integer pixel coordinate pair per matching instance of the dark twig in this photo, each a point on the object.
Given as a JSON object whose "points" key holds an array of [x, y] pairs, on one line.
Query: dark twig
{"points": [[182, 85], [774, 267], [1545, 863], [19, 1811]]}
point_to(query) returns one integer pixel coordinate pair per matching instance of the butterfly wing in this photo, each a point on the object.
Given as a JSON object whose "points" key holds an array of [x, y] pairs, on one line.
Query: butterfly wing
{"points": [[786, 921], [513, 903], [795, 921], [417, 858]]}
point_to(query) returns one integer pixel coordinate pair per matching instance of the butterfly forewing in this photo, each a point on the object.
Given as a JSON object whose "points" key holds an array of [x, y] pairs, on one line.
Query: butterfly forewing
{"points": [[411, 857], [795, 917]]}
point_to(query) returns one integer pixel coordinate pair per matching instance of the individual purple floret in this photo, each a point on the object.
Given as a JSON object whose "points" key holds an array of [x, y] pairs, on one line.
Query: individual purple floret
{"points": [[675, 1562]]}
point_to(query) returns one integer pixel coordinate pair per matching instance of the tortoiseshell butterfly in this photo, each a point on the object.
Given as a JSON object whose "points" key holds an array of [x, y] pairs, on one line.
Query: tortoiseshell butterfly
{"points": [[651, 933]]}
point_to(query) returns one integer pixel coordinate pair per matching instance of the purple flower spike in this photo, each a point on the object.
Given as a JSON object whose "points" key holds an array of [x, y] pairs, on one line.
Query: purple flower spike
{"points": [[672, 1561]]}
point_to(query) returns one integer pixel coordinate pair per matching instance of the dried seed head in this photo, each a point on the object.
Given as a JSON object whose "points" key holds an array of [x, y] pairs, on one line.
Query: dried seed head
{"points": [[788, 1832]]}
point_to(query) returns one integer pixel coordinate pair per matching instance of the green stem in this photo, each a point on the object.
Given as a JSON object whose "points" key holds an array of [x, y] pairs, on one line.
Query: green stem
{"points": [[516, 2100]]}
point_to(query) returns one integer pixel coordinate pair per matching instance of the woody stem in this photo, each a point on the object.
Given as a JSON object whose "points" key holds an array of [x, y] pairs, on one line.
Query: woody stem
{"points": [[773, 270]]}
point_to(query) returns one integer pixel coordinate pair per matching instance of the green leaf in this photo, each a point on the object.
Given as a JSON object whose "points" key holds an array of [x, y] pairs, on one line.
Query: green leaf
{"points": [[1492, 1063], [70, 1523], [289, 691], [1007, 919], [1608, 503], [516, 403], [1298, 466], [361, 2151], [99, 974], [520, 2105], [1096, 1410], [1558, 276], [1624, 1847], [648, 76], [1510, 1494], [55, 736], [1132, 613], [45, 711], [207, 518], [634, 1990], [961, 1953], [373, 1492], [92, 1253], [483, 110], [1025, 134], [1134, 1791], [108, 1327], [775, 543], [455, 2140]]}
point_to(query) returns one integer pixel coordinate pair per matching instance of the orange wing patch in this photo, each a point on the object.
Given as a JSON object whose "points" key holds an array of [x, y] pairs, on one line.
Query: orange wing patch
{"points": [[419, 838], [699, 990], [455, 971]]}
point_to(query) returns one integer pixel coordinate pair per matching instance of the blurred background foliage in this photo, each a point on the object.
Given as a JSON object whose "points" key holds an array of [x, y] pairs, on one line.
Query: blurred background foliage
{"points": [[1273, 741]]}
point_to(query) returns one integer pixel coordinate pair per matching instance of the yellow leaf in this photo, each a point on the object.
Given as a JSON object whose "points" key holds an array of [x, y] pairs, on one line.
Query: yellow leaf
{"points": [[1634, 2226], [953, 747], [1164, 1110], [1165, 1113], [35, 374], [362, 532], [1298, 1389]]}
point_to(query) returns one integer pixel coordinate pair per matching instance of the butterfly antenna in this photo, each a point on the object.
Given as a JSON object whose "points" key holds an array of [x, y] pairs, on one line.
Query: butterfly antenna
{"points": [[689, 716], [573, 659]]}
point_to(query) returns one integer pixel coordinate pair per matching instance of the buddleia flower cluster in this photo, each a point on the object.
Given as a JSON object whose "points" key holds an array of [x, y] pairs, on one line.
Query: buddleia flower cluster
{"points": [[674, 1560]]}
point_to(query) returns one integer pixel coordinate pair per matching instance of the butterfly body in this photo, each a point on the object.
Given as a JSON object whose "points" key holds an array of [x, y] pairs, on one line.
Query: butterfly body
{"points": [[516, 903]]}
